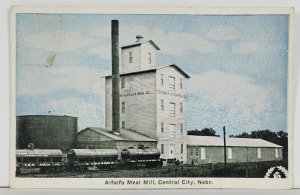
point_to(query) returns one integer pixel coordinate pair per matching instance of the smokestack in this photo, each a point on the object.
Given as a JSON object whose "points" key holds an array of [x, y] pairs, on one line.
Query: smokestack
{"points": [[115, 77]]}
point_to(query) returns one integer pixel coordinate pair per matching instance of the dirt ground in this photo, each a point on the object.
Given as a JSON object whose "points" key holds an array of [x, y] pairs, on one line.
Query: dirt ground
{"points": [[251, 170]]}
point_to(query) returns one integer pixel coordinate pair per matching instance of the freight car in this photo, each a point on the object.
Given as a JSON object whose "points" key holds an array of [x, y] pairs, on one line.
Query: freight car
{"points": [[30, 160], [81, 159], [135, 157], [86, 159]]}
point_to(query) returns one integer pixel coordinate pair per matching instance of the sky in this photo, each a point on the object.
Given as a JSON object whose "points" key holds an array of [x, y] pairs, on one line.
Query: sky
{"points": [[237, 64]]}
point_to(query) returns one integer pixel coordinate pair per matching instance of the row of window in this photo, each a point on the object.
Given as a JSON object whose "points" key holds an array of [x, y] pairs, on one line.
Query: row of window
{"points": [[195, 152], [172, 82], [162, 149], [171, 127], [130, 57], [172, 107]]}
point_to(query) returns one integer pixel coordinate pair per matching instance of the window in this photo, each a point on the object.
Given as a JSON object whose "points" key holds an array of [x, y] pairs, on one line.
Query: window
{"points": [[172, 131], [197, 151], [162, 127], [181, 84], [162, 148], [181, 148], [203, 155], [229, 153], [161, 79], [149, 58], [130, 57], [181, 128], [122, 82], [162, 107], [181, 107], [123, 107], [172, 83], [276, 153], [258, 153], [172, 109], [191, 151], [123, 124]]}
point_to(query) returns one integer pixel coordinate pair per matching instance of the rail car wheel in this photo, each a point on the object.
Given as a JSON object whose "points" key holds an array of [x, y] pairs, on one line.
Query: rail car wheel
{"points": [[42, 170], [82, 168]]}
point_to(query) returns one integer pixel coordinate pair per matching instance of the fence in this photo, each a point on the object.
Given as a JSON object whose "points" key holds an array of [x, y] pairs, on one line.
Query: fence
{"points": [[238, 169]]}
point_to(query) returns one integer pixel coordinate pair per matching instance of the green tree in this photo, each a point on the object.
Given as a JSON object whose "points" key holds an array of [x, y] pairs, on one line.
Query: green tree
{"points": [[203, 132], [280, 138]]}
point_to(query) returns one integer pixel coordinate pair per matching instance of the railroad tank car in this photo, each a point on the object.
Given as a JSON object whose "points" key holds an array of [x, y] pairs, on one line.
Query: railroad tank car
{"points": [[39, 160], [46, 131], [80, 159], [147, 156]]}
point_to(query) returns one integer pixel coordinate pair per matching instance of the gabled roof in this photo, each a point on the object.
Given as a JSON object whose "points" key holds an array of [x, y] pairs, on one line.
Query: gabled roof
{"points": [[231, 142], [176, 67], [140, 43], [125, 134], [153, 69]]}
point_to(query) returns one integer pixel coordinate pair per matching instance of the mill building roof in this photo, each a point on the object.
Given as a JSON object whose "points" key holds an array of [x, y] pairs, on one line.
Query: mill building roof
{"points": [[153, 69], [125, 134], [140, 43], [231, 142]]}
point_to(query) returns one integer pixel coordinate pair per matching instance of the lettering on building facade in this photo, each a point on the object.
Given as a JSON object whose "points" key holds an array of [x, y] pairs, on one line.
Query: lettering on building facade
{"points": [[148, 92]]}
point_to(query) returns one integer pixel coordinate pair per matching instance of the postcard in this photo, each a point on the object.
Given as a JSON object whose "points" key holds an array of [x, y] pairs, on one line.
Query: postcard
{"points": [[151, 98]]}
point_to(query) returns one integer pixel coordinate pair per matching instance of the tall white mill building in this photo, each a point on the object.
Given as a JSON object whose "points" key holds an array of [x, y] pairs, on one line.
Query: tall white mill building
{"points": [[151, 98]]}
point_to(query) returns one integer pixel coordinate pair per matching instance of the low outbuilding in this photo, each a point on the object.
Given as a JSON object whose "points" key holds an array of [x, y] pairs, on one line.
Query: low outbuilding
{"points": [[210, 149], [101, 138]]}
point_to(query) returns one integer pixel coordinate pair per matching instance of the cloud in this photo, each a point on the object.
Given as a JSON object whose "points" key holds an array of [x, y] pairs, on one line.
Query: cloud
{"points": [[246, 47], [259, 39], [234, 100], [223, 32], [101, 32], [266, 46], [58, 41], [40, 80], [171, 43], [102, 51], [87, 112]]}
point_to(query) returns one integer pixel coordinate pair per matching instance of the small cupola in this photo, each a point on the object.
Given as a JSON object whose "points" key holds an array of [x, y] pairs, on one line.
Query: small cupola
{"points": [[140, 55], [139, 38]]}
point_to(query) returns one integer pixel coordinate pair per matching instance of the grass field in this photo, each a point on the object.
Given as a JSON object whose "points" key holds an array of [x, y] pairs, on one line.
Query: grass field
{"points": [[239, 170]]}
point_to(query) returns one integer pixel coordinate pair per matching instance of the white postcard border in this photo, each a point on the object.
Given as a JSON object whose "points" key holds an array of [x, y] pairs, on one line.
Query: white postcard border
{"points": [[99, 183]]}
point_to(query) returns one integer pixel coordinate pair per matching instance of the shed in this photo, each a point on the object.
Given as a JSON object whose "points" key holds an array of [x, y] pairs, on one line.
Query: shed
{"points": [[210, 149], [101, 138]]}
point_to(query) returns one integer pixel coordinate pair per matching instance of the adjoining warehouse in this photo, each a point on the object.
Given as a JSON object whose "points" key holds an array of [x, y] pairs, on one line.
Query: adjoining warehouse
{"points": [[210, 149], [100, 138]]}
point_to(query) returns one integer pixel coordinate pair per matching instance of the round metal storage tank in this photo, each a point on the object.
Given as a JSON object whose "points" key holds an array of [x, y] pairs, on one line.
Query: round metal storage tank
{"points": [[46, 131]]}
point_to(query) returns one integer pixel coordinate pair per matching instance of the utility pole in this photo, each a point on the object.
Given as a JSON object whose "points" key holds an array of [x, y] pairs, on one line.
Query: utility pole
{"points": [[225, 159]]}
